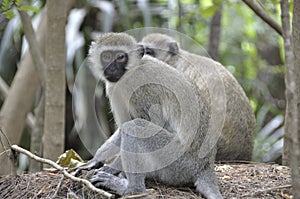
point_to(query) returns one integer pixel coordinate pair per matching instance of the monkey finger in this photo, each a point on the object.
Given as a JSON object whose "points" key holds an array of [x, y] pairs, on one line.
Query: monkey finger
{"points": [[107, 169], [101, 177], [90, 165]]}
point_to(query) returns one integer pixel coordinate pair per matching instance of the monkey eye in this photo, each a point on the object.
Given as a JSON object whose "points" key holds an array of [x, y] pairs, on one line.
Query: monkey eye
{"points": [[150, 52], [120, 57], [106, 56]]}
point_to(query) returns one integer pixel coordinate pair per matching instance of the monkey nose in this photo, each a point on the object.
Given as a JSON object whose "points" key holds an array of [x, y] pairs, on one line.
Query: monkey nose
{"points": [[111, 70]]}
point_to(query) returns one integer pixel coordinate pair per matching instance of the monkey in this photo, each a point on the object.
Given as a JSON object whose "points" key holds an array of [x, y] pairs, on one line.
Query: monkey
{"points": [[236, 140], [161, 119]]}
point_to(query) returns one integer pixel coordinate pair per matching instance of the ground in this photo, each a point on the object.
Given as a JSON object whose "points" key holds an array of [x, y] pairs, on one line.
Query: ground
{"points": [[236, 180]]}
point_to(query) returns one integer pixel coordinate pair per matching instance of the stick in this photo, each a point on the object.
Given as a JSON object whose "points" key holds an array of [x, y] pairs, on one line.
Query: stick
{"points": [[267, 190], [263, 15], [58, 186], [60, 168]]}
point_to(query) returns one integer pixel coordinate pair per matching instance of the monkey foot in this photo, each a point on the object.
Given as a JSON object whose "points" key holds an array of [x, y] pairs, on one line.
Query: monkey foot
{"points": [[109, 181]]}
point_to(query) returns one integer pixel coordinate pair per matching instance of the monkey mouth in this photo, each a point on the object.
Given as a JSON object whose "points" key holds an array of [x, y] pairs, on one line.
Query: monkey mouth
{"points": [[113, 75]]}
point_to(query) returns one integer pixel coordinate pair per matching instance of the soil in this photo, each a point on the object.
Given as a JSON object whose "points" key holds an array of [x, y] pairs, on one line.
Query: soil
{"points": [[236, 180]]}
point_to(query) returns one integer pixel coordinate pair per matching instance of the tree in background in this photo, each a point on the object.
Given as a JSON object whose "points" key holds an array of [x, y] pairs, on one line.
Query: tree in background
{"points": [[55, 84], [291, 155]]}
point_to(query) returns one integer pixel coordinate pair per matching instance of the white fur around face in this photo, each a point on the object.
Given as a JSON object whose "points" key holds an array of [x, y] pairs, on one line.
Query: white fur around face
{"points": [[113, 42]]}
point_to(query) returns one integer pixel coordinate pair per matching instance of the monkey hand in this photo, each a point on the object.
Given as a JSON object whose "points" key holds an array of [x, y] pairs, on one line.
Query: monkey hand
{"points": [[110, 170], [92, 164]]}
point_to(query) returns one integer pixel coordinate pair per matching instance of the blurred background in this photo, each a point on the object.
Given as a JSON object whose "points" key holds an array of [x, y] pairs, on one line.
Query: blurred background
{"points": [[229, 31]]}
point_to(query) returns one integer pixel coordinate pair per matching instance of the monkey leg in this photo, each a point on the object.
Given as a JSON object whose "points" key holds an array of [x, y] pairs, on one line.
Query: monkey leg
{"points": [[207, 183], [139, 139], [110, 148], [207, 187]]}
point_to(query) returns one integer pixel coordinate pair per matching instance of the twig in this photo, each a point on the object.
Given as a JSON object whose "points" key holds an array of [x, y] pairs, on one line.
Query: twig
{"points": [[139, 195], [267, 190], [6, 139], [60, 168], [58, 187], [263, 15]]}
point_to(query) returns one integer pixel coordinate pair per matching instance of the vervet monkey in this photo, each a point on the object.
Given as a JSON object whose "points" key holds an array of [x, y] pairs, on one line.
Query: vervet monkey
{"points": [[236, 140], [162, 120]]}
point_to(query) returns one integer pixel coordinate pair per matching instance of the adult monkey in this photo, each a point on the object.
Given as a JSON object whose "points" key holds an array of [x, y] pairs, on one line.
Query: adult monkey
{"points": [[162, 121], [236, 140]]}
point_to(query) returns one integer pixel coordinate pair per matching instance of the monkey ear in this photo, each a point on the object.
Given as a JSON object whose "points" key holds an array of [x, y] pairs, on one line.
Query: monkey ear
{"points": [[173, 48], [92, 46]]}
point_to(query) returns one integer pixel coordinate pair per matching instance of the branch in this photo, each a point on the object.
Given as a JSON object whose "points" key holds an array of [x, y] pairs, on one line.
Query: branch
{"points": [[266, 190], [58, 186], [33, 44], [214, 34], [60, 168], [263, 15]]}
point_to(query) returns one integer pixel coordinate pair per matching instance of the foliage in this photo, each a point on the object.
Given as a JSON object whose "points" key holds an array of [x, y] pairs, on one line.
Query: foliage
{"points": [[8, 5]]}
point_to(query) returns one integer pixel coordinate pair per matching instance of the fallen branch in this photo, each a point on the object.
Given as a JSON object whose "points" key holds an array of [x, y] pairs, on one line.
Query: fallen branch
{"points": [[60, 168], [263, 15], [266, 190]]}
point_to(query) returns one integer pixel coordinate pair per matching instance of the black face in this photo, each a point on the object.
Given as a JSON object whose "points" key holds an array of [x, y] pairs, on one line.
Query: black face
{"points": [[114, 63]]}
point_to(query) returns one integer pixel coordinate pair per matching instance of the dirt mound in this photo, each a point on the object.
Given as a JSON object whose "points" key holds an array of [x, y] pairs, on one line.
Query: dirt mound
{"points": [[236, 180]]}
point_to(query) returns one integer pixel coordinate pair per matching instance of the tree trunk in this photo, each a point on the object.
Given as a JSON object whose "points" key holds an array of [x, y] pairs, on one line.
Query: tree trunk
{"points": [[291, 116], [54, 126], [20, 98], [214, 35], [36, 145], [295, 148]]}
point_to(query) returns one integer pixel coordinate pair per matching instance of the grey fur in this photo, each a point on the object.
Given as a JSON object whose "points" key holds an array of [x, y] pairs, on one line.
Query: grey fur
{"points": [[162, 121], [236, 140]]}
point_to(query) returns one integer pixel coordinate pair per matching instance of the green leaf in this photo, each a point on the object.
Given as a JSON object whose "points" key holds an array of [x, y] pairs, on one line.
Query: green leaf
{"points": [[70, 158], [28, 8], [6, 5], [18, 2], [9, 14], [208, 11]]}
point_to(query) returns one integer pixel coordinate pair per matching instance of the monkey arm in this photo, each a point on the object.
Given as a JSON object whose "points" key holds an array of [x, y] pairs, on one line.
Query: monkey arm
{"points": [[110, 148], [142, 151]]}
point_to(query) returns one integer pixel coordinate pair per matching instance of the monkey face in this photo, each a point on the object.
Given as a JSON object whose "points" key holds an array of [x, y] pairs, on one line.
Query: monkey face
{"points": [[160, 46], [114, 64]]}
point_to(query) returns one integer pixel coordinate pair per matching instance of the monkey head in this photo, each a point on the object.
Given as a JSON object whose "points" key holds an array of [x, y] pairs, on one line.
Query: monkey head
{"points": [[113, 54], [162, 47]]}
